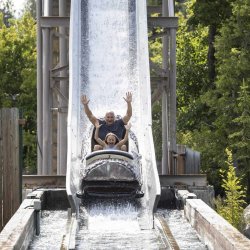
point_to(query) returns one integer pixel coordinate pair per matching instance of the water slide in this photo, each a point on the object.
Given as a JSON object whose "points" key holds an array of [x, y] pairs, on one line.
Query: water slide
{"points": [[108, 57]]}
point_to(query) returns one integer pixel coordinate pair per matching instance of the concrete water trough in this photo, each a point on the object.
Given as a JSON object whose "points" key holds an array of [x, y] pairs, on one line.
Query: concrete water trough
{"points": [[25, 223], [213, 230]]}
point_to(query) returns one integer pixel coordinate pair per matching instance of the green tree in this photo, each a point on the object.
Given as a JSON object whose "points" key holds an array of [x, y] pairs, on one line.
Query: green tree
{"points": [[240, 136], [231, 208], [30, 6], [210, 14], [233, 57], [191, 73], [18, 76], [6, 8], [222, 126]]}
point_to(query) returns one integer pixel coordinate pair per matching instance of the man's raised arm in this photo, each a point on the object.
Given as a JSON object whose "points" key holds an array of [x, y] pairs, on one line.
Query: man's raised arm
{"points": [[88, 112], [128, 100]]}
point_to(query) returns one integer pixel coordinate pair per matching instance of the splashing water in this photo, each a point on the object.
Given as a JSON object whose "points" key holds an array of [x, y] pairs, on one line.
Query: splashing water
{"points": [[115, 225], [53, 227]]}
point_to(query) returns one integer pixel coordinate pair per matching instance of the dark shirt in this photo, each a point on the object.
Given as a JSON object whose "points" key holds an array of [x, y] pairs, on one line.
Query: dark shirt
{"points": [[117, 128]]}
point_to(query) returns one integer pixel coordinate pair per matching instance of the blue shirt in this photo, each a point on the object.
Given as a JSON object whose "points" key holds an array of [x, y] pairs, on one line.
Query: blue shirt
{"points": [[117, 128]]}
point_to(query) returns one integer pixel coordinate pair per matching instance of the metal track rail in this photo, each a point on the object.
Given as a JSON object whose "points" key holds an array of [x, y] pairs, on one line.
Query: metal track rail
{"points": [[168, 234], [68, 242]]}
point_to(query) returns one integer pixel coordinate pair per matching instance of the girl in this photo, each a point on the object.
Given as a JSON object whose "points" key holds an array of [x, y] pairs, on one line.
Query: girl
{"points": [[111, 140]]}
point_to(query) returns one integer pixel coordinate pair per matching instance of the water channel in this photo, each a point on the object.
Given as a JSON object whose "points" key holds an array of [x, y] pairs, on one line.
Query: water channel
{"points": [[113, 52], [114, 226]]}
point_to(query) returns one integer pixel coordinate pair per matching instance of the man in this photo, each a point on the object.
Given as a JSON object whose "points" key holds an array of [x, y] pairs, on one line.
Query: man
{"points": [[110, 124]]}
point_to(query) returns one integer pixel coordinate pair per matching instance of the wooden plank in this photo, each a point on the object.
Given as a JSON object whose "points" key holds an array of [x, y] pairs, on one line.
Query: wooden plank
{"points": [[9, 168], [35, 181], [54, 21], [19, 231], [15, 157], [6, 162], [199, 180], [165, 22], [152, 9]]}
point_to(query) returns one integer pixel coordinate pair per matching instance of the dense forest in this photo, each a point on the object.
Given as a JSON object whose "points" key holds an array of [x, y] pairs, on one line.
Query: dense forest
{"points": [[213, 78], [213, 98]]}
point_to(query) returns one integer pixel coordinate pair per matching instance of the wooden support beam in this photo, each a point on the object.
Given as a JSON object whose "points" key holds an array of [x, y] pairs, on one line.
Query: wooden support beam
{"points": [[34, 181], [54, 21], [154, 9], [159, 71], [59, 68], [156, 94], [60, 78], [165, 22]]}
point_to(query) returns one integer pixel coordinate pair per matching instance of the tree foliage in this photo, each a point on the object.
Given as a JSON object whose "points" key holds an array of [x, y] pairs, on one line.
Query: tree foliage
{"points": [[30, 7], [221, 115], [6, 8], [229, 99], [18, 76], [191, 73], [210, 14], [231, 208]]}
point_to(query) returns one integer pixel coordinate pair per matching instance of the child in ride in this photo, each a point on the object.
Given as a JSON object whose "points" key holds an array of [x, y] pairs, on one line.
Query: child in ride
{"points": [[111, 140]]}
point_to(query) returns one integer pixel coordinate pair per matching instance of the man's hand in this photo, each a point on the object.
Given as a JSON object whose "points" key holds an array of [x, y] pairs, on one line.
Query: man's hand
{"points": [[88, 112], [128, 98], [128, 126], [84, 100]]}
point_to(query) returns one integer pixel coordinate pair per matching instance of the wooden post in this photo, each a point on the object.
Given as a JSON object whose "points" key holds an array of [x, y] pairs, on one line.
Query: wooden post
{"points": [[9, 164], [165, 107]]}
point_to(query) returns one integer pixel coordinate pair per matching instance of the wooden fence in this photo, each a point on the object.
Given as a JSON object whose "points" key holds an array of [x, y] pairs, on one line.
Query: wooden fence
{"points": [[10, 181]]}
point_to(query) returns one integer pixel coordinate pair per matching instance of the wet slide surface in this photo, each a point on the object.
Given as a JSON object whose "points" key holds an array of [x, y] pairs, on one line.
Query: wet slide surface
{"points": [[109, 57]]}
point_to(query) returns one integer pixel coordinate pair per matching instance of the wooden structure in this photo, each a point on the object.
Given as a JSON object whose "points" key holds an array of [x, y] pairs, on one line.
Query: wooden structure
{"points": [[52, 83], [10, 179]]}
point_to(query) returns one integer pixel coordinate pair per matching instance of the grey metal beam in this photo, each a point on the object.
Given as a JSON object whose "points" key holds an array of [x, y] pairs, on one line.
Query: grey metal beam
{"points": [[59, 68], [165, 22], [34, 181], [47, 119], [172, 80], [46, 105], [52, 21], [189, 180], [58, 91], [159, 79], [156, 94], [39, 89], [172, 77], [60, 78], [62, 102], [165, 111], [153, 9]]}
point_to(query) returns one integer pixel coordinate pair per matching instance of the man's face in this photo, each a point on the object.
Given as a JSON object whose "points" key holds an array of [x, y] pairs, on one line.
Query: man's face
{"points": [[110, 118]]}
